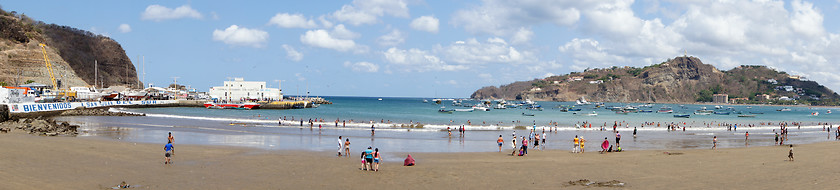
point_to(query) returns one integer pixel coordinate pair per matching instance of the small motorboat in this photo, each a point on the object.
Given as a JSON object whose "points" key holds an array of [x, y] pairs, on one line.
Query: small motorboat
{"points": [[702, 113], [682, 115], [784, 109], [527, 114], [592, 114], [444, 110], [722, 113], [746, 115], [756, 112], [465, 110]]}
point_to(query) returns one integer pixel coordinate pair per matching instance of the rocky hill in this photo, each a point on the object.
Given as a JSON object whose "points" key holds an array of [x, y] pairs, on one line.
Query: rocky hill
{"points": [[678, 80], [71, 51]]}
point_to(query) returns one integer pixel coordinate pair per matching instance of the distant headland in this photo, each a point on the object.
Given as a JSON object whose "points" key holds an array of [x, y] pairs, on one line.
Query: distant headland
{"points": [[682, 79]]}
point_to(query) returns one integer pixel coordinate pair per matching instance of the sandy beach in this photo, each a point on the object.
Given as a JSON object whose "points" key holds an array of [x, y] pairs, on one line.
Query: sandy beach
{"points": [[36, 162]]}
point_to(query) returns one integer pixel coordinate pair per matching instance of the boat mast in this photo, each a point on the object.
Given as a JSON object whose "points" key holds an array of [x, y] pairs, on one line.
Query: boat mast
{"points": [[95, 73]]}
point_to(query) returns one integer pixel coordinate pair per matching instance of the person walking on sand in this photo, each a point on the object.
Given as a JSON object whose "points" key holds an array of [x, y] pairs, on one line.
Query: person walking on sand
{"points": [[347, 147], [376, 160], [714, 143], [364, 164], [577, 144], [790, 154], [340, 146], [369, 158], [501, 142], [170, 138], [169, 151]]}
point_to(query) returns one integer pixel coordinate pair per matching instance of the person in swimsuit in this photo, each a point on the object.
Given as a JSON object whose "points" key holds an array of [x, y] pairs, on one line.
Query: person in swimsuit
{"points": [[513, 144], [714, 143], [347, 147], [581, 143], [376, 159], [501, 141], [536, 142], [634, 132], [364, 165], [171, 138]]}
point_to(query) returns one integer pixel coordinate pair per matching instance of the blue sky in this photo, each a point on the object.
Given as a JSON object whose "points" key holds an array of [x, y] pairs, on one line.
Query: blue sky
{"points": [[416, 48]]}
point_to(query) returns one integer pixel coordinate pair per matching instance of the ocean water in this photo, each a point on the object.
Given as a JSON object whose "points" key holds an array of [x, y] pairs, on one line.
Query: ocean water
{"points": [[261, 128]]}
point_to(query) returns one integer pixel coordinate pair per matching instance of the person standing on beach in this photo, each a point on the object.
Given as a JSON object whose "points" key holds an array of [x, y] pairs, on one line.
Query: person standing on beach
{"points": [[513, 144], [543, 139], [372, 129], [714, 143], [582, 140], [577, 144], [501, 141], [790, 154], [617, 138], [777, 139], [169, 151], [347, 147], [340, 146], [376, 159], [525, 145]]}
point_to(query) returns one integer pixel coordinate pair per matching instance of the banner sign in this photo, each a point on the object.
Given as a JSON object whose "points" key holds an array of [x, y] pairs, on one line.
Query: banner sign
{"points": [[57, 106]]}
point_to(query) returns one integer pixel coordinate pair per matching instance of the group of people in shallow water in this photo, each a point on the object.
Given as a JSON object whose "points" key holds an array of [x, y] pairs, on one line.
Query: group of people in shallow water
{"points": [[524, 142], [370, 156]]}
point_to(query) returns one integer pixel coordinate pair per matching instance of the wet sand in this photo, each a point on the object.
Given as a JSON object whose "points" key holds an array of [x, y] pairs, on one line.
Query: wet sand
{"points": [[33, 162]]}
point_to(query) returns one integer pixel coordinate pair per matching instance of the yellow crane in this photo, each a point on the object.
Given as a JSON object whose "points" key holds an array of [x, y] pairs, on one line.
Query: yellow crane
{"points": [[58, 93], [49, 65]]}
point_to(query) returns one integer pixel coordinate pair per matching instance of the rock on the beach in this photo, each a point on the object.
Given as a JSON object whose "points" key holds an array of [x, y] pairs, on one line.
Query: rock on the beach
{"points": [[39, 126]]}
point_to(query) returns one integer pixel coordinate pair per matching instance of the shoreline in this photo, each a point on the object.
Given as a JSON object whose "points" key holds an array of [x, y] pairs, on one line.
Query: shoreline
{"points": [[71, 162]]}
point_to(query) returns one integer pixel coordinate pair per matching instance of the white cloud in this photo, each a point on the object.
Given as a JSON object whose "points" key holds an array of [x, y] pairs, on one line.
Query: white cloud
{"points": [[369, 11], [806, 20], [342, 33], [124, 28], [240, 36], [521, 36], [286, 20], [502, 17], [362, 66], [494, 50], [323, 39], [587, 53], [160, 13], [426, 23], [418, 60], [393, 38], [324, 22], [292, 54]]}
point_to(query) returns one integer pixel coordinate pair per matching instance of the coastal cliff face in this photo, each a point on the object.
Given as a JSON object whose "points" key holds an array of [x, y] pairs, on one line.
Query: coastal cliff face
{"points": [[678, 80], [71, 51]]}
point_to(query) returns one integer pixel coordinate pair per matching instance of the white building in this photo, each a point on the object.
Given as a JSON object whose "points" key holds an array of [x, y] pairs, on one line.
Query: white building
{"points": [[239, 89]]}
